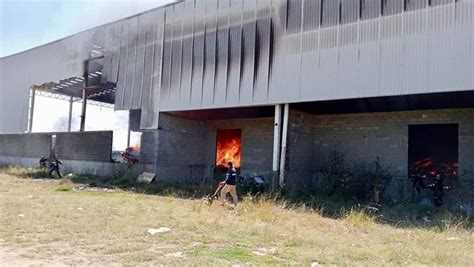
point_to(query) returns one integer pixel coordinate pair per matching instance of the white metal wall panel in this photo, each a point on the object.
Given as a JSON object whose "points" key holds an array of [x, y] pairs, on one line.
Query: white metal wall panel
{"points": [[262, 53], [225, 53], [176, 57], [471, 33], [122, 64], [462, 48], [198, 53], [348, 58], [249, 31], [222, 52], [187, 55], [441, 36], [391, 54], [277, 67], [235, 49], [131, 64], [210, 53], [139, 62], [167, 58], [115, 49], [106, 72], [310, 79], [148, 71]]}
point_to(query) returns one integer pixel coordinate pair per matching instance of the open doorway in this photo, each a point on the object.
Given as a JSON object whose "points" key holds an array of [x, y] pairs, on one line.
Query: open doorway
{"points": [[432, 150], [228, 149]]}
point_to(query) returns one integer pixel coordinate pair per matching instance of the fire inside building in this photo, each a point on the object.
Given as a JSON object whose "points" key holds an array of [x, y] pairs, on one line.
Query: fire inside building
{"points": [[272, 85]]}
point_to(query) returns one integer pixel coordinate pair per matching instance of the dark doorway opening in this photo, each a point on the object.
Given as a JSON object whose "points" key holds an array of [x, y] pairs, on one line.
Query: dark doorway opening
{"points": [[432, 150]]}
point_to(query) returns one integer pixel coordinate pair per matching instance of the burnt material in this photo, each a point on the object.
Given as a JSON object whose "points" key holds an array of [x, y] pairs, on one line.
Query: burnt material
{"points": [[432, 150]]}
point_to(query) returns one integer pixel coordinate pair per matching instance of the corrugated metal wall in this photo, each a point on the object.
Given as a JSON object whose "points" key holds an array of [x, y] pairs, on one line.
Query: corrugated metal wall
{"points": [[200, 54], [224, 53]]}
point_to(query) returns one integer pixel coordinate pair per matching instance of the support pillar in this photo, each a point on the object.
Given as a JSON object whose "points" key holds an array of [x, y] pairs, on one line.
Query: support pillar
{"points": [[84, 109], [276, 147], [32, 109], [283, 145], [84, 96], [71, 99]]}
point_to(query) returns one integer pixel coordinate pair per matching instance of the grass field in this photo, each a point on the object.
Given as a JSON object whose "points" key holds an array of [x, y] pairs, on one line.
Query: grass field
{"points": [[56, 222]]}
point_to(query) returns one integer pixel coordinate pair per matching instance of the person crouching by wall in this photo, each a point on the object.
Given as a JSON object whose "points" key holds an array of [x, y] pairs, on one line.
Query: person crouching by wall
{"points": [[54, 167], [230, 184]]}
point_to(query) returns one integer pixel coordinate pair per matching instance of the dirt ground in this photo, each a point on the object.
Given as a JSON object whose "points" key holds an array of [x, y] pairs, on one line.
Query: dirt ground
{"points": [[56, 223]]}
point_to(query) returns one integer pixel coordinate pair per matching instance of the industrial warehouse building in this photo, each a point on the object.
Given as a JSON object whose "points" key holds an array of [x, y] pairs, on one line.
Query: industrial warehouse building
{"points": [[273, 85]]}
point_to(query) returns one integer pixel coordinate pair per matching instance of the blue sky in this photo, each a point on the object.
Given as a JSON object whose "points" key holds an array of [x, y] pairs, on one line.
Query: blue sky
{"points": [[25, 24]]}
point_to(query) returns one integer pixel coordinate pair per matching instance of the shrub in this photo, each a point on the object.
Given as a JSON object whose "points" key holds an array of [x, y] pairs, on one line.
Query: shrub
{"points": [[360, 181]]}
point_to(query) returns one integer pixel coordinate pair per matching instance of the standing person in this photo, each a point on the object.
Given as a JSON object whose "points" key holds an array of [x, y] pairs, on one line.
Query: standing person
{"points": [[438, 188], [230, 184], [54, 167]]}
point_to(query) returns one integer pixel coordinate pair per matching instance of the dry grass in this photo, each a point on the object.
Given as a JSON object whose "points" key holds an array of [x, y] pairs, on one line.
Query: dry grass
{"points": [[61, 225]]}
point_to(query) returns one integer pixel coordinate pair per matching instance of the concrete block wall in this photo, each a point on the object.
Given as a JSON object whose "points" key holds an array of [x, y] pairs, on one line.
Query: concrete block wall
{"points": [[90, 146], [367, 136], [186, 149], [25, 145], [87, 152], [180, 149], [299, 155], [257, 143]]}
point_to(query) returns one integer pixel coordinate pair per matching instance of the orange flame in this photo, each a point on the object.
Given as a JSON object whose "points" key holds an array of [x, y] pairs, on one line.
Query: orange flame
{"points": [[136, 148], [228, 147]]}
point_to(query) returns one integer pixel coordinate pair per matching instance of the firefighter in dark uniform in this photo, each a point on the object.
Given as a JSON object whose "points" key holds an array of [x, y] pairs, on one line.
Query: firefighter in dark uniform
{"points": [[230, 184], [438, 189], [54, 167]]}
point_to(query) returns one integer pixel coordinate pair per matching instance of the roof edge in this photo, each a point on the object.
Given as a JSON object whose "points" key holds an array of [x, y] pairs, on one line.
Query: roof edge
{"points": [[98, 26]]}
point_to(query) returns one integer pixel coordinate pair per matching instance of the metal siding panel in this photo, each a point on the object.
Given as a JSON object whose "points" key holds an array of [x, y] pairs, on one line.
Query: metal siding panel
{"points": [[277, 67], [310, 49], [416, 59], [108, 46], [391, 51], [147, 73], [198, 53], [471, 32], [392, 7], [115, 52], [416, 4], [249, 29], [349, 11], [330, 13], [176, 60], [222, 53], [120, 92], [293, 24], [139, 63], [235, 49], [441, 63], [167, 58], [462, 48], [262, 45], [131, 63], [440, 2], [311, 14], [209, 53], [150, 115], [370, 9], [187, 58], [347, 61]]}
